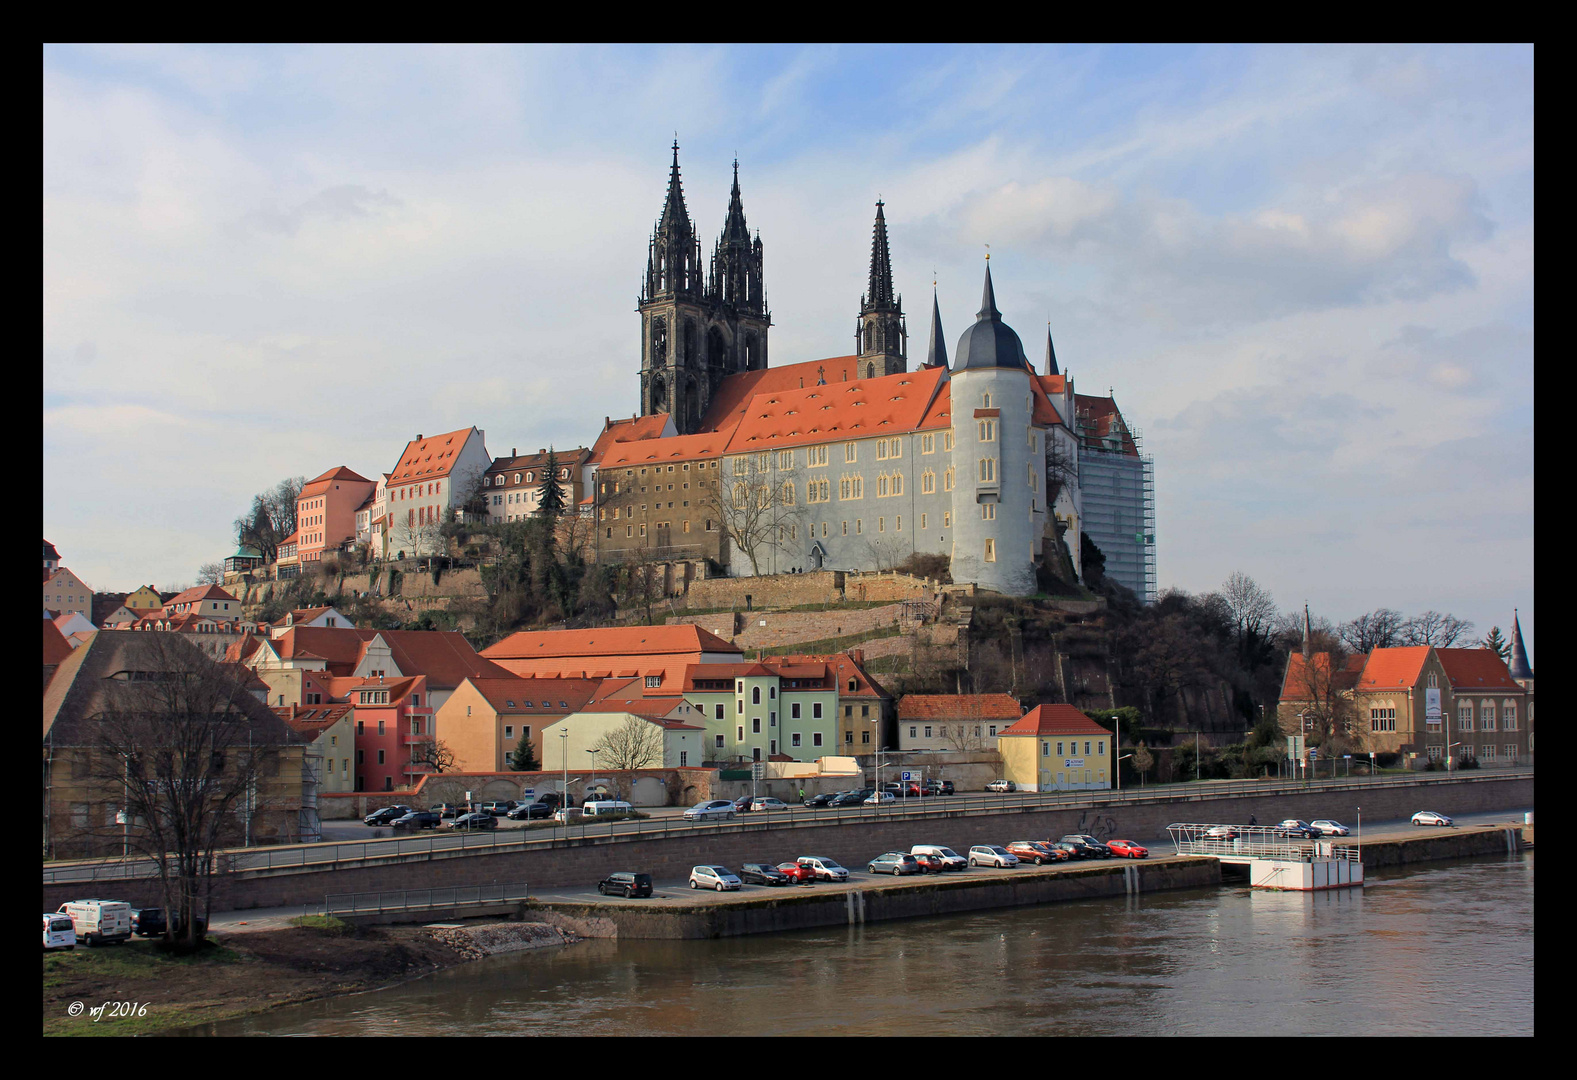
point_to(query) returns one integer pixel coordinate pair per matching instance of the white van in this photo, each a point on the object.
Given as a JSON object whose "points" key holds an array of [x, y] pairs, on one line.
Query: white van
{"points": [[99, 922], [59, 932], [951, 860], [610, 808]]}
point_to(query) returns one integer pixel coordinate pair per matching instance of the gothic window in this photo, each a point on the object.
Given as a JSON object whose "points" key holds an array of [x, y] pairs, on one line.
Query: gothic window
{"points": [[659, 393], [947, 479], [689, 341], [870, 371], [788, 493], [659, 343]]}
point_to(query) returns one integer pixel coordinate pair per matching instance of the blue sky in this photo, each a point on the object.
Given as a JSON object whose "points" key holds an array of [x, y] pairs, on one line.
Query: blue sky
{"points": [[1307, 273]]}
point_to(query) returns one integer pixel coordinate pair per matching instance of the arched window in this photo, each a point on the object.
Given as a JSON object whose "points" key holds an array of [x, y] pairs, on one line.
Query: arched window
{"points": [[870, 371]]}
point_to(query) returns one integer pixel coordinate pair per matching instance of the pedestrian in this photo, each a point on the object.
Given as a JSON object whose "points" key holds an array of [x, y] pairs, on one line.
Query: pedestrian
{"points": [[1252, 820], [801, 794]]}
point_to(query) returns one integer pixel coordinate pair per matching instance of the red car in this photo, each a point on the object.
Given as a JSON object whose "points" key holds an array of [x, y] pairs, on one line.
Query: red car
{"points": [[930, 864], [1127, 849], [798, 874], [1032, 851]]}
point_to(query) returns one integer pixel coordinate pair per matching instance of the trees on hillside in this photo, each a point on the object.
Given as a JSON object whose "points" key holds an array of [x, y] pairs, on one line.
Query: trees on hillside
{"points": [[271, 518]]}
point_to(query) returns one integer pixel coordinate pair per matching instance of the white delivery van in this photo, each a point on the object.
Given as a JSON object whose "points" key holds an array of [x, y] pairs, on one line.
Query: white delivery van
{"points": [[610, 808], [59, 933], [98, 922]]}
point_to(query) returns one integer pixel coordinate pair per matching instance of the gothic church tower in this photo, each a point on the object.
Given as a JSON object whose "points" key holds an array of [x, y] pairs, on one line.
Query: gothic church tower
{"points": [[698, 328], [881, 338]]}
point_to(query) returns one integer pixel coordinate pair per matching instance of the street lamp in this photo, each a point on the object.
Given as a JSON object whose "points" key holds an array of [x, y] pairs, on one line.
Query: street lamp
{"points": [[1117, 745], [564, 754], [1450, 747], [1119, 771], [593, 779]]}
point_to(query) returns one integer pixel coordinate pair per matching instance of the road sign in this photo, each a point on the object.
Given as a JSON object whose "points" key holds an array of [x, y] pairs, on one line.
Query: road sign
{"points": [[906, 776], [758, 770]]}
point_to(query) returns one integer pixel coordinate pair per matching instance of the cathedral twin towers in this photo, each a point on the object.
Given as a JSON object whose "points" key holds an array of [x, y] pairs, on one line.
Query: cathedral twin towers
{"points": [[700, 326]]}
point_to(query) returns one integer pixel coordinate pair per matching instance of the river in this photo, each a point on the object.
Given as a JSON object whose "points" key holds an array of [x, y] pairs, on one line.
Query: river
{"points": [[1441, 948]]}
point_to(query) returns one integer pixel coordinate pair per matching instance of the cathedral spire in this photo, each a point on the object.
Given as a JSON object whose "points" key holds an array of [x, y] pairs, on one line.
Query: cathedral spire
{"points": [[1051, 354], [675, 216], [881, 338], [880, 291], [734, 229], [1520, 668], [936, 355], [1307, 645], [988, 299]]}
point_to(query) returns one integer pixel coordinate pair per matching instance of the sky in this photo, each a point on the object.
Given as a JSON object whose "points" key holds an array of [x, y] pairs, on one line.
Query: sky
{"points": [[1306, 273]]}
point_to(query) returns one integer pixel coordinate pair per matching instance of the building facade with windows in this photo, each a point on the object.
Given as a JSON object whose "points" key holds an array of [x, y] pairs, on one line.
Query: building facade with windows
{"points": [[515, 484], [326, 512], [1057, 748], [1117, 485], [437, 476], [954, 723]]}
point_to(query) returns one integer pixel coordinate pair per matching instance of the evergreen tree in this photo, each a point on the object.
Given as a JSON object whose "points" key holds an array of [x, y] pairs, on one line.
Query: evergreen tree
{"points": [[524, 758], [1497, 643], [551, 505]]}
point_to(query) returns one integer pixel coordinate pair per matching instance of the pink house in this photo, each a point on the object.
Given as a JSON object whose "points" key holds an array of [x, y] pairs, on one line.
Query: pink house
{"points": [[326, 512]]}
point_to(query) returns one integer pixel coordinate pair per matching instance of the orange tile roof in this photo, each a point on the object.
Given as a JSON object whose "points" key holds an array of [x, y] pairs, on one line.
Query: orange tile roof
{"points": [[1390, 668], [658, 451], [858, 409], [319, 485], [1476, 669], [517, 695], [311, 720], [734, 392], [431, 458], [634, 429], [566, 459], [1095, 417], [607, 641], [1055, 720], [984, 706], [400, 688], [56, 647], [1295, 683]]}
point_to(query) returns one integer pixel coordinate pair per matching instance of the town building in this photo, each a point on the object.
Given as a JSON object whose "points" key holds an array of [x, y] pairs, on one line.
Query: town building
{"points": [[515, 484], [243, 562], [484, 719], [1057, 748], [146, 598], [64, 591], [287, 564], [329, 732], [954, 723], [1117, 483], [326, 512], [437, 478], [51, 556]]}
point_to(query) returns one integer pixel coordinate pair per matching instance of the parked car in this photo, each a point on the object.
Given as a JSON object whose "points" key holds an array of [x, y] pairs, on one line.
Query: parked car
{"points": [[938, 787], [767, 803], [853, 798], [893, 862], [1127, 849], [742, 804], [1072, 851], [447, 810], [823, 868], [1296, 827], [713, 877], [991, 855], [1097, 850], [763, 873], [498, 807], [531, 811], [98, 922], [1001, 785], [911, 790], [59, 932], [147, 922], [1328, 827], [1429, 817], [416, 819], [1035, 851], [568, 815], [824, 799], [386, 815], [878, 797], [930, 864], [608, 808], [553, 798], [471, 822], [797, 873], [1222, 832], [951, 860], [626, 885], [711, 808]]}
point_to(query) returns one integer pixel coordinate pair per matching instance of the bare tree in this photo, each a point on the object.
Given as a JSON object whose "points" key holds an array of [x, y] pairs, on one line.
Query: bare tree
{"points": [[1252, 608], [1433, 628], [635, 744], [1143, 760], [888, 550], [435, 754], [1062, 467], [190, 759], [1325, 711], [1378, 629], [271, 518], [755, 506], [418, 537], [211, 573]]}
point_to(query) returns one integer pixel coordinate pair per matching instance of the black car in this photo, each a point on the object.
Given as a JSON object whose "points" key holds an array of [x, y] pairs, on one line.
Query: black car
{"points": [[417, 819], [756, 873], [386, 815], [532, 811], [1296, 827], [938, 787], [147, 922], [1087, 846], [626, 885], [475, 821], [853, 798], [824, 799]]}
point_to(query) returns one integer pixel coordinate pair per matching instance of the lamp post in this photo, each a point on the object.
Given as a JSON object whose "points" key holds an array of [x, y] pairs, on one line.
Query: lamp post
{"points": [[1119, 771], [1450, 747], [1117, 745], [564, 755], [593, 779]]}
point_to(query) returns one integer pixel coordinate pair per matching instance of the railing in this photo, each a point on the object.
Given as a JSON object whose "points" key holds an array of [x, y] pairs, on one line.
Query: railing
{"points": [[1252, 842], [327, 856], [367, 903]]}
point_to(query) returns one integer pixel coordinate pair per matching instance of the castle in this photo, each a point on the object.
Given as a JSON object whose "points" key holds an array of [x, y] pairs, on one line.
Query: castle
{"points": [[848, 462]]}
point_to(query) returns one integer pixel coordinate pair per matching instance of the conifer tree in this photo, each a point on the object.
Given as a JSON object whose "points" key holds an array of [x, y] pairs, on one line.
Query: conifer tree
{"points": [[524, 758], [1496, 642]]}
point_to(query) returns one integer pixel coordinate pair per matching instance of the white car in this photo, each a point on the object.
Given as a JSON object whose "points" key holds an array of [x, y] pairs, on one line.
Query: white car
{"points": [[767, 804], [1328, 827], [713, 877], [566, 814], [711, 808], [881, 797], [59, 931], [991, 855], [951, 860], [823, 868], [1429, 817], [1001, 785]]}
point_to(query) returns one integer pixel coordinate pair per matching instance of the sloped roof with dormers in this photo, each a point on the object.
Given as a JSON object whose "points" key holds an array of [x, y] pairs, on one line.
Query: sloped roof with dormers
{"points": [[857, 409], [430, 458]]}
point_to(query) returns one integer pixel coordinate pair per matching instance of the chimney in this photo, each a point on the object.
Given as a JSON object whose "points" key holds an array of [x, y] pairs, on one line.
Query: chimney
{"points": [[418, 436], [514, 451], [541, 450]]}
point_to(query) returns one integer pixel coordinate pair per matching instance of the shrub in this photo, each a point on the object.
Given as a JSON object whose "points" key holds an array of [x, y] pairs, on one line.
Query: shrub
{"points": [[938, 568]]}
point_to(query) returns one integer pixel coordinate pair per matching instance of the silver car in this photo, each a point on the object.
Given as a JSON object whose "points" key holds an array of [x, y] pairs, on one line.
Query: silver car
{"points": [[711, 808], [1328, 827], [991, 855], [713, 877]]}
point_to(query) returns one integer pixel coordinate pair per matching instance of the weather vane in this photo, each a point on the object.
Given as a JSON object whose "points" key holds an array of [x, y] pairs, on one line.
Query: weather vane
{"points": [[988, 253]]}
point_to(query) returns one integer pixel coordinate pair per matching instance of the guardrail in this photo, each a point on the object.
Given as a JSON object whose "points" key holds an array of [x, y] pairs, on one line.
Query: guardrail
{"points": [[1252, 841], [368, 903], [329, 855]]}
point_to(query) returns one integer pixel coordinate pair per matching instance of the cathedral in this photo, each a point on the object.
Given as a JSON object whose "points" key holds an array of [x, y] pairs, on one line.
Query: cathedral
{"points": [[852, 462]]}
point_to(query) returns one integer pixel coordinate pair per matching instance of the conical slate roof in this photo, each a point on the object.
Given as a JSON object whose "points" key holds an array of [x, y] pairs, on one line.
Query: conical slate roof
{"points": [[676, 219], [1520, 668], [936, 355], [879, 292], [990, 342], [734, 229], [1051, 354]]}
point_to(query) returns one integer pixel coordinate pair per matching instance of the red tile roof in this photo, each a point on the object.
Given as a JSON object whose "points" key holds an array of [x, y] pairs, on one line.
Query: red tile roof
{"points": [[858, 409], [56, 647], [1055, 720], [607, 641], [660, 451], [1095, 418], [1476, 669], [517, 695], [1295, 683], [319, 485], [1390, 668], [634, 429], [431, 458], [952, 706], [728, 405], [199, 593], [311, 720]]}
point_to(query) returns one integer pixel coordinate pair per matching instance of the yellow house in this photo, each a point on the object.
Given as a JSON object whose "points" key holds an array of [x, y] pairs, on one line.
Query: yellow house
{"points": [[144, 599], [1057, 748], [484, 719]]}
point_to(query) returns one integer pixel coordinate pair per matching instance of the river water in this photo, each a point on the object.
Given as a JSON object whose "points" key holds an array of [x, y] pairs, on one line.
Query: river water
{"points": [[1445, 948]]}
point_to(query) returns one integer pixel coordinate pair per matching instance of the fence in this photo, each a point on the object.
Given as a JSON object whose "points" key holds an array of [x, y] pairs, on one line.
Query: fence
{"points": [[330, 856], [368, 903]]}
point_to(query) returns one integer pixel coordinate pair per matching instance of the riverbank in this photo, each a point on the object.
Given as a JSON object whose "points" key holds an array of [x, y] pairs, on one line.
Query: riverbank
{"points": [[245, 973]]}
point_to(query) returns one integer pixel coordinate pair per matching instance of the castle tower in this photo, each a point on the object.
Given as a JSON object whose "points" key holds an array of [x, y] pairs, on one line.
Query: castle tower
{"points": [[673, 308], [996, 498], [936, 354], [736, 338], [881, 339]]}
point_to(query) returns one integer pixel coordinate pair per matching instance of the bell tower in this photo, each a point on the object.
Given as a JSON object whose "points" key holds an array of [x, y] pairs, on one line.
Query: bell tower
{"points": [[881, 339], [673, 308]]}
